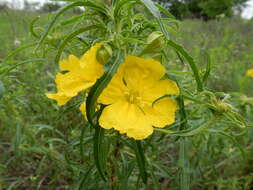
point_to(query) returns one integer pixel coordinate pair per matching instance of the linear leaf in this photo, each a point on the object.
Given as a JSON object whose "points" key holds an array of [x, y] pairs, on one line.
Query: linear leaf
{"points": [[2, 89], [101, 83], [63, 10], [119, 5], [191, 62], [69, 38], [231, 138], [18, 50], [152, 8], [32, 27], [8, 69], [97, 151], [208, 67]]}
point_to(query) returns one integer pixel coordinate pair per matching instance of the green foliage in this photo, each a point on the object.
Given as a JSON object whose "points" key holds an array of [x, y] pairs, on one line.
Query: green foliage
{"points": [[43, 146], [205, 9], [50, 7]]}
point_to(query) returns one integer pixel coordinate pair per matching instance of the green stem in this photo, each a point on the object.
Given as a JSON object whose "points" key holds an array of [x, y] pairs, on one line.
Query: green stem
{"points": [[183, 156], [141, 161]]}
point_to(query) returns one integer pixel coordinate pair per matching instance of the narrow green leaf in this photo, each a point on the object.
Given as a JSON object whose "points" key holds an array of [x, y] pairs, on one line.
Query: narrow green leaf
{"points": [[84, 178], [165, 11], [2, 89], [69, 38], [101, 83], [119, 6], [184, 164], [72, 20], [141, 161], [152, 8], [81, 140], [208, 67], [8, 69], [191, 62], [18, 50], [63, 10], [97, 151], [155, 12], [17, 140], [231, 138], [156, 184], [42, 127], [54, 18], [32, 27]]}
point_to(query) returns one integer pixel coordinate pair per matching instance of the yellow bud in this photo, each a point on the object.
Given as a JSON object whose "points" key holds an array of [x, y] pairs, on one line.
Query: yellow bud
{"points": [[104, 54]]}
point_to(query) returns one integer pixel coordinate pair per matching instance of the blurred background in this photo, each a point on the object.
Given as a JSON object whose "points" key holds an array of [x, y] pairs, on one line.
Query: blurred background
{"points": [[179, 8]]}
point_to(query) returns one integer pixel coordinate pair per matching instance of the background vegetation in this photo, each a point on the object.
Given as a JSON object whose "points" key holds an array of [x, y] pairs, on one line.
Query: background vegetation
{"points": [[204, 9], [40, 146]]}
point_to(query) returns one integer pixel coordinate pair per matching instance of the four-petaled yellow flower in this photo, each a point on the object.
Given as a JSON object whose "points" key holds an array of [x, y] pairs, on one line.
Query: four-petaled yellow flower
{"points": [[250, 73], [135, 99], [81, 74]]}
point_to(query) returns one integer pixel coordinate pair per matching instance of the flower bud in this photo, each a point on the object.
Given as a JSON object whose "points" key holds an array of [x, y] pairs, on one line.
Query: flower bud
{"points": [[155, 42], [221, 106], [104, 54], [156, 39]]}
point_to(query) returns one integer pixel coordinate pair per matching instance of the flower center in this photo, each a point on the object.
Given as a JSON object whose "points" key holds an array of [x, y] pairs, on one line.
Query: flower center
{"points": [[133, 97]]}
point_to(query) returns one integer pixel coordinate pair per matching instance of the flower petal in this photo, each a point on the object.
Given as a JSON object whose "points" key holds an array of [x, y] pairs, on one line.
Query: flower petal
{"points": [[114, 91], [154, 89], [81, 75], [126, 118], [90, 63], [137, 69], [162, 113], [70, 84], [71, 64], [82, 108], [59, 97], [250, 73]]}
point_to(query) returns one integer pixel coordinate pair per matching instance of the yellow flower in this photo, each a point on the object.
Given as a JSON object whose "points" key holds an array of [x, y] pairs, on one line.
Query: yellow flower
{"points": [[81, 74], [250, 73], [133, 100], [83, 110]]}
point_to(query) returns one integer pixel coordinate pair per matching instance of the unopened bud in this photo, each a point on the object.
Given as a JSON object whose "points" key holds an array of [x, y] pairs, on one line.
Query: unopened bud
{"points": [[221, 107], [155, 42], [156, 38], [104, 54]]}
